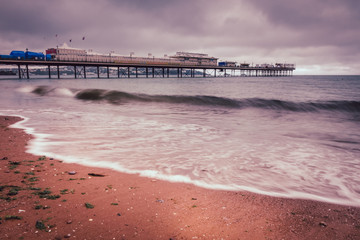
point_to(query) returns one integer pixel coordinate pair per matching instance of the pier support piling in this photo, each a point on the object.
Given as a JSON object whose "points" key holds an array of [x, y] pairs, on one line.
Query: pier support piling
{"points": [[27, 71], [49, 71], [19, 70]]}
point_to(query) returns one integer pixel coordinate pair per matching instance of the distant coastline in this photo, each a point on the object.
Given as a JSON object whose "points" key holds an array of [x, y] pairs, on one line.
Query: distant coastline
{"points": [[6, 72]]}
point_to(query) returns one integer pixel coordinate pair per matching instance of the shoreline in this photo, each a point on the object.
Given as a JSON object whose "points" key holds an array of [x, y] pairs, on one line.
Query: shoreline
{"points": [[44, 198], [173, 178]]}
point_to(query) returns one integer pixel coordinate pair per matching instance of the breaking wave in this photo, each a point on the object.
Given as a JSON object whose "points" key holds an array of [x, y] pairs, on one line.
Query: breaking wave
{"points": [[119, 97]]}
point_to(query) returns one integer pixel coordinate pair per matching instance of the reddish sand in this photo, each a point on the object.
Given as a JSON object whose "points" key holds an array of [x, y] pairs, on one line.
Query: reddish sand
{"points": [[132, 207]]}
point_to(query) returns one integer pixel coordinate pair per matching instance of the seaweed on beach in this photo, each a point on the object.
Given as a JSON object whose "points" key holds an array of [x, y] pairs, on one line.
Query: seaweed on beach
{"points": [[89, 205], [52, 197], [46, 194], [40, 225], [12, 217], [42, 158], [33, 179], [13, 189]]}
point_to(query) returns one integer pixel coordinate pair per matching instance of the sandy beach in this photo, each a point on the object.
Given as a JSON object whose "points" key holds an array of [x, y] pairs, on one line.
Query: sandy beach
{"points": [[44, 198]]}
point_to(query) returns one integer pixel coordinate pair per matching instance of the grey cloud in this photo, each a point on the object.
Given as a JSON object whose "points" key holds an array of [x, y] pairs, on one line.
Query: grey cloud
{"points": [[321, 22], [310, 13], [29, 17], [243, 30], [186, 16]]}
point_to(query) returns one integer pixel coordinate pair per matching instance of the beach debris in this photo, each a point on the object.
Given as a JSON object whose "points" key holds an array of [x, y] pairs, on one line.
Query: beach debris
{"points": [[96, 175], [193, 199], [160, 200], [323, 224], [89, 205], [119, 214], [72, 172], [51, 158], [4, 158]]}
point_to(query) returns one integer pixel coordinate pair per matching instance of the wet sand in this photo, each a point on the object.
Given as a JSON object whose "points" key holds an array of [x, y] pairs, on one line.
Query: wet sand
{"points": [[44, 198]]}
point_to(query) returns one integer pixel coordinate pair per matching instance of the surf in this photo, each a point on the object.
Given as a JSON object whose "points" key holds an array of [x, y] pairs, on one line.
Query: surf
{"points": [[121, 97]]}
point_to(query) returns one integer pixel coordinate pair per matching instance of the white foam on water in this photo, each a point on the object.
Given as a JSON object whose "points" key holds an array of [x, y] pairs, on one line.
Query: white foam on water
{"points": [[26, 89], [40, 143], [63, 92]]}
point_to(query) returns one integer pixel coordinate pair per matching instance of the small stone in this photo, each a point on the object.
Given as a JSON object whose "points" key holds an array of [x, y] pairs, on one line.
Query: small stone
{"points": [[69, 222], [160, 201], [323, 224], [4, 158], [67, 235], [119, 214], [58, 238], [72, 173]]}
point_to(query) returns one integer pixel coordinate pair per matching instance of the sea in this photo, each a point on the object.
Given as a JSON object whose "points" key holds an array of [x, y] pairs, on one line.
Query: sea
{"points": [[293, 137]]}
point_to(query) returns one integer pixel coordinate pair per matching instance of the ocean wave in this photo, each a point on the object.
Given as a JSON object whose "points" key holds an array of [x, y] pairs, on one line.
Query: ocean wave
{"points": [[119, 97]]}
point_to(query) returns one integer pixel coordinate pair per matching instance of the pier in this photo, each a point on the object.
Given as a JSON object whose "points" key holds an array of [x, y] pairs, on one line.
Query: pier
{"points": [[135, 70]]}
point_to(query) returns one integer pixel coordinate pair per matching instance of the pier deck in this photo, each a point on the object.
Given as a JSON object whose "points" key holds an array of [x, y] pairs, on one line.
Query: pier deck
{"points": [[149, 70]]}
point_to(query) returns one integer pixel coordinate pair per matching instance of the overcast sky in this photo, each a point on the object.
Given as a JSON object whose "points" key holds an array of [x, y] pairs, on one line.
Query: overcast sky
{"points": [[319, 36]]}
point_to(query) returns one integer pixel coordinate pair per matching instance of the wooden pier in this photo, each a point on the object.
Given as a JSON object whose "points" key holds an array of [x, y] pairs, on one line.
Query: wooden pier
{"points": [[129, 70]]}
